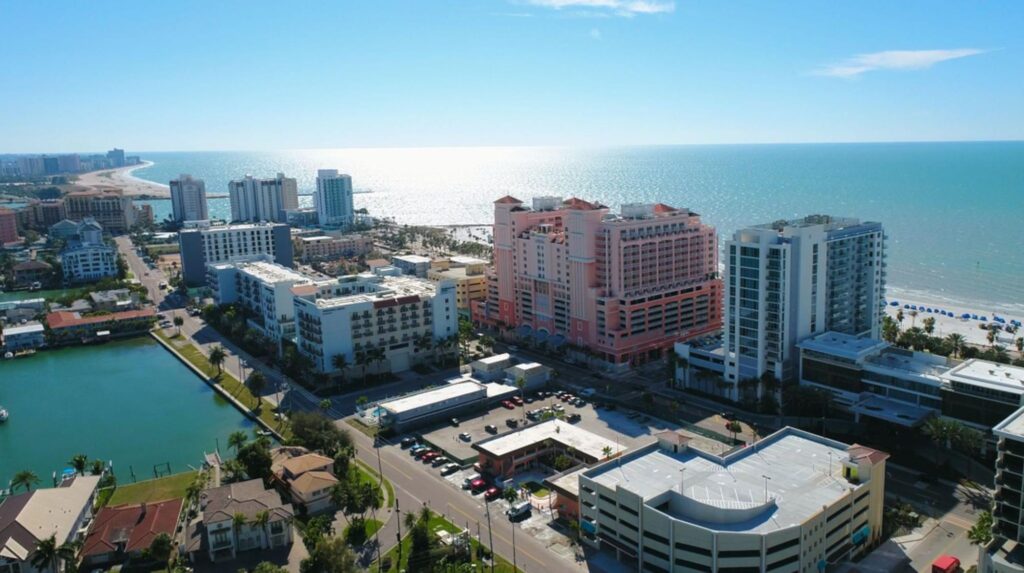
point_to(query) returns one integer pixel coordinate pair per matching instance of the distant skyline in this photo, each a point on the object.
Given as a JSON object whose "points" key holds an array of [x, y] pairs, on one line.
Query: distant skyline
{"points": [[264, 75]]}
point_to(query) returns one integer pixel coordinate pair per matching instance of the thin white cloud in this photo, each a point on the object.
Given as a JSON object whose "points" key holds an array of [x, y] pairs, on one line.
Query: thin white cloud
{"points": [[595, 34], [893, 60], [626, 8]]}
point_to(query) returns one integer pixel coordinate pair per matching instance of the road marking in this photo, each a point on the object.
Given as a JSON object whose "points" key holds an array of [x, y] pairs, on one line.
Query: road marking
{"points": [[495, 533]]}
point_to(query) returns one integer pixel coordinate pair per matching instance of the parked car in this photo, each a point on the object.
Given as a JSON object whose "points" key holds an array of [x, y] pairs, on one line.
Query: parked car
{"points": [[465, 437], [449, 469], [529, 399], [507, 404], [517, 400], [439, 461], [728, 415], [455, 422], [420, 455], [477, 484], [512, 423], [417, 449], [518, 510], [587, 392], [491, 429], [492, 493], [467, 483], [430, 456], [572, 418], [559, 408], [579, 403], [408, 442]]}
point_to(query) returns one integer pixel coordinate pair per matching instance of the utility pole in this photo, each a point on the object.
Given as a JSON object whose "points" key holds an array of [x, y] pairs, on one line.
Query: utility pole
{"points": [[398, 534], [766, 478], [490, 536], [514, 568], [383, 493]]}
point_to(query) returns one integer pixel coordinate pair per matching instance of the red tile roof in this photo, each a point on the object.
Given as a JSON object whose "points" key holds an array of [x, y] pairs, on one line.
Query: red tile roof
{"points": [[663, 208], [858, 452], [67, 319], [577, 203], [508, 200], [133, 525]]}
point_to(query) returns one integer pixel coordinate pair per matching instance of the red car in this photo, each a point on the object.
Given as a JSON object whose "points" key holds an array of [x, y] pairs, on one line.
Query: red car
{"points": [[508, 404], [425, 453], [477, 484], [517, 400], [492, 493], [429, 456]]}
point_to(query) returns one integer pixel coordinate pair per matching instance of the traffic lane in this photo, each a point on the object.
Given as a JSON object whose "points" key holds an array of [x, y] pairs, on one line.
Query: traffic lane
{"points": [[414, 488], [944, 539]]}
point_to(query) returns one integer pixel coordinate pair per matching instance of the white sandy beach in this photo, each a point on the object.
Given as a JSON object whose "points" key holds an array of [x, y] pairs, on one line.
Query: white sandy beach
{"points": [[945, 325], [122, 178]]}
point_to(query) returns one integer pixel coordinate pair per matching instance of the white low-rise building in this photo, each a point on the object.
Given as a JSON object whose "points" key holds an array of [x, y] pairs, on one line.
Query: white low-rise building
{"points": [[491, 368], [264, 288], [87, 258], [27, 336], [792, 503], [374, 322]]}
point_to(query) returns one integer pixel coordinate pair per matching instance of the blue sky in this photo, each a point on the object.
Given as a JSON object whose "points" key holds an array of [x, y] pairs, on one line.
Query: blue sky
{"points": [[182, 75]]}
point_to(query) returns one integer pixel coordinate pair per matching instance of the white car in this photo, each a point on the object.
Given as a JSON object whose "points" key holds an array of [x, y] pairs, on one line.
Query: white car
{"points": [[449, 468]]}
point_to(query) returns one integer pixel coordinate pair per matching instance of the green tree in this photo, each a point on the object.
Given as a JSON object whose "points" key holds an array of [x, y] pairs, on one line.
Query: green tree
{"points": [[1019, 343], [521, 385], [325, 404], [257, 383], [217, 358], [981, 532], [160, 548], [268, 567], [25, 479], [956, 343], [178, 322], [734, 427], [606, 452], [97, 467], [316, 528], [237, 522], [236, 440], [330, 555], [990, 336], [79, 462], [340, 363], [317, 432], [260, 521], [48, 555], [256, 459], [929, 324]]}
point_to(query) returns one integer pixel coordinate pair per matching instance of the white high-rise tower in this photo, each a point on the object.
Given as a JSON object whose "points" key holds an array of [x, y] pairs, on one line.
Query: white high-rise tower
{"points": [[333, 198]]}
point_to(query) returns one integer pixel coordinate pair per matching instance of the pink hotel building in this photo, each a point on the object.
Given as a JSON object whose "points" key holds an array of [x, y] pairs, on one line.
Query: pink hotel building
{"points": [[624, 286]]}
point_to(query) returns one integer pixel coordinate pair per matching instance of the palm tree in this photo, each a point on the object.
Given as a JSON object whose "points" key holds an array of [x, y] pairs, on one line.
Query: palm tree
{"points": [[913, 318], [97, 467], [606, 452], [929, 324], [237, 439], [340, 363], [178, 321], [362, 360], [1020, 343], [217, 358], [956, 343], [79, 461], [325, 404], [981, 532], [237, 521], [261, 520], [991, 337], [25, 479], [899, 317], [45, 555]]}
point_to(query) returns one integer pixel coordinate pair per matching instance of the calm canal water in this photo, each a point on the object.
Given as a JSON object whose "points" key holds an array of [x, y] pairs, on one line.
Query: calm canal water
{"points": [[131, 402]]}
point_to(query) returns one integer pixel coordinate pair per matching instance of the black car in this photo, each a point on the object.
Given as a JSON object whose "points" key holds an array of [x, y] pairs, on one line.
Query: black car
{"points": [[512, 423], [455, 422], [491, 429], [572, 418], [728, 415], [408, 442]]}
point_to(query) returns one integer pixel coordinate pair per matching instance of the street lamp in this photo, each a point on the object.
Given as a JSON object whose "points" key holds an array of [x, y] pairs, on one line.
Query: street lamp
{"points": [[766, 479], [682, 476]]}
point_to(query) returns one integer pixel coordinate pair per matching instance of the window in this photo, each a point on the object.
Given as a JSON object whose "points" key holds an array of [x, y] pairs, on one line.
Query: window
{"points": [[739, 553], [784, 545], [656, 537]]}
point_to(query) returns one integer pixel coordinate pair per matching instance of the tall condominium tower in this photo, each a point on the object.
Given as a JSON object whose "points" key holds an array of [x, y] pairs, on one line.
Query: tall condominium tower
{"points": [[333, 198], [188, 199], [624, 286], [788, 280], [263, 199]]}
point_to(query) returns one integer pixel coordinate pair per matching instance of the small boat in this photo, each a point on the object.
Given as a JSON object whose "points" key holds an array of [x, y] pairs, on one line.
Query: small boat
{"points": [[4, 414]]}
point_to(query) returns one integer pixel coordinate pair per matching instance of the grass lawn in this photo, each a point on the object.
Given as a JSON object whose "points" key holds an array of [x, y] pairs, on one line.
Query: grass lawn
{"points": [[367, 473], [226, 381], [361, 427], [439, 523], [160, 489], [536, 488]]}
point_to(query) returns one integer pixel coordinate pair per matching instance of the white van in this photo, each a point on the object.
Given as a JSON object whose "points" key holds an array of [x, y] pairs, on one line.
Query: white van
{"points": [[469, 479], [518, 509]]}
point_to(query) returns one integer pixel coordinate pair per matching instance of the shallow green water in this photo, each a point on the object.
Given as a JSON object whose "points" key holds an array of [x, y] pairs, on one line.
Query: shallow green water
{"points": [[130, 402]]}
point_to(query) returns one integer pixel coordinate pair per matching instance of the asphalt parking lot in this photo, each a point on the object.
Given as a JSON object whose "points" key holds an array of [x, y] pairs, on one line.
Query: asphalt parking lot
{"points": [[625, 427]]}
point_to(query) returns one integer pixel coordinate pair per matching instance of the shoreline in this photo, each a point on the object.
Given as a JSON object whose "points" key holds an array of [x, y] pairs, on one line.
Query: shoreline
{"points": [[122, 178], [946, 325]]}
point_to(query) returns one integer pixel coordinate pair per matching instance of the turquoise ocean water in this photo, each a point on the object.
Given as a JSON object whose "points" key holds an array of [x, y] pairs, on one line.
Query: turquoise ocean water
{"points": [[954, 212]]}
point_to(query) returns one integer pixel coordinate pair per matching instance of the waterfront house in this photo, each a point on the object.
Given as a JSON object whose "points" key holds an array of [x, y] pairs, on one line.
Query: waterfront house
{"points": [[216, 533], [30, 272], [27, 336], [309, 479], [120, 534], [87, 258], [70, 327], [116, 300], [63, 512]]}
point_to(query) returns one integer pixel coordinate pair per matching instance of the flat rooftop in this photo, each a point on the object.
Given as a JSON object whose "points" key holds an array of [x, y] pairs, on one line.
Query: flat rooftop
{"points": [[565, 433], [271, 272], [804, 471], [844, 345], [496, 359], [464, 260], [434, 395], [927, 366], [1012, 427], [985, 374], [380, 287], [29, 328], [414, 259]]}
